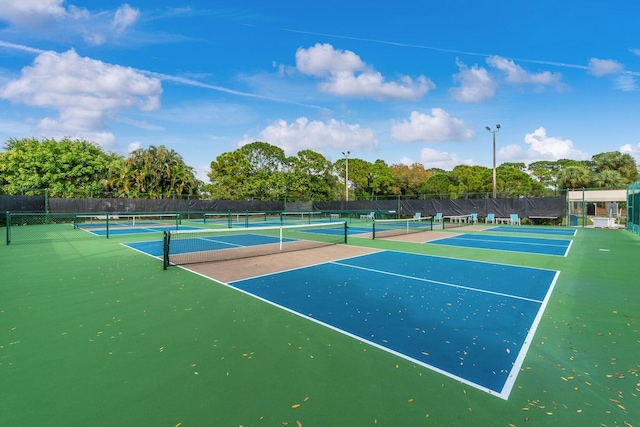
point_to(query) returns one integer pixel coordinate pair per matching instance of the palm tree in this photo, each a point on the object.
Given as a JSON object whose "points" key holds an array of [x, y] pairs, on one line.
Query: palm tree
{"points": [[574, 177], [159, 173]]}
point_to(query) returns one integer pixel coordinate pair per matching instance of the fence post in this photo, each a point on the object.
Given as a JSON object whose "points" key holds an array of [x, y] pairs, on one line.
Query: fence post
{"points": [[8, 227], [46, 206]]}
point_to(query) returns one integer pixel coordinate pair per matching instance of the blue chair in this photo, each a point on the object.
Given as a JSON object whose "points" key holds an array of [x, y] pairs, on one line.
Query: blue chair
{"points": [[490, 219], [417, 215], [474, 218], [514, 220], [371, 216], [438, 217]]}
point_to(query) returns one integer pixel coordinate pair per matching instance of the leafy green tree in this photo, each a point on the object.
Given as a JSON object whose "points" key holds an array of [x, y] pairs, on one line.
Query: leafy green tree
{"points": [[409, 179], [66, 168], [573, 177], [440, 185], [381, 180], [228, 175], [254, 171], [608, 179], [513, 165], [158, 173], [513, 180], [624, 164], [311, 177], [366, 179], [471, 179], [546, 172], [358, 176]]}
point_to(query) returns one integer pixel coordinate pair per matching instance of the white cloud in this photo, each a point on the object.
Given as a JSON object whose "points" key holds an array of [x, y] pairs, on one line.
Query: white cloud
{"points": [[31, 12], [622, 80], [437, 127], [625, 83], [431, 158], [632, 150], [51, 19], [345, 74], [476, 85], [603, 67], [316, 135], [518, 75], [133, 146], [323, 60], [85, 92], [635, 51], [124, 17], [542, 147], [407, 161]]}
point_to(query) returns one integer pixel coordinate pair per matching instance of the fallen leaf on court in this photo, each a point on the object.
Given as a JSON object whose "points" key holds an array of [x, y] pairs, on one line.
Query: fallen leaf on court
{"points": [[296, 406], [411, 400], [298, 423]]}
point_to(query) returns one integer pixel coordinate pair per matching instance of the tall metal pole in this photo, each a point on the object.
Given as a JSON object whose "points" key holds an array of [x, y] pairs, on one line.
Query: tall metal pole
{"points": [[346, 175], [494, 157]]}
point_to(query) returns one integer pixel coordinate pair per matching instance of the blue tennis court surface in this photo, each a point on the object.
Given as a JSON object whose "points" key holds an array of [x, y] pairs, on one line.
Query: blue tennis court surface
{"points": [[541, 246], [471, 321], [532, 230]]}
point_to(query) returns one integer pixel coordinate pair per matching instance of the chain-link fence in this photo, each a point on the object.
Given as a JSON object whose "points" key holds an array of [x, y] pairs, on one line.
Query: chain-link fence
{"points": [[633, 207]]}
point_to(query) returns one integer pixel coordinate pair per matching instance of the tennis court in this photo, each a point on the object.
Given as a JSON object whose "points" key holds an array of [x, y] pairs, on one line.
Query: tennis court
{"points": [[468, 320], [438, 312], [209, 241], [138, 229], [127, 224], [541, 246], [556, 231]]}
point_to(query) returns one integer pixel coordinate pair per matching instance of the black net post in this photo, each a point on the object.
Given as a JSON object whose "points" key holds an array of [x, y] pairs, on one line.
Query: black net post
{"points": [[346, 232], [165, 250]]}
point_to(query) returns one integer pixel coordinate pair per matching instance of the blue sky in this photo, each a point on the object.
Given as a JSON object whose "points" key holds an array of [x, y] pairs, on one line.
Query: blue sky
{"points": [[403, 81]]}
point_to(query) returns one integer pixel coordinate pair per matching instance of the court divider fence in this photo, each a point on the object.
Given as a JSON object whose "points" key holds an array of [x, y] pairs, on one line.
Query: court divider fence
{"points": [[633, 207]]}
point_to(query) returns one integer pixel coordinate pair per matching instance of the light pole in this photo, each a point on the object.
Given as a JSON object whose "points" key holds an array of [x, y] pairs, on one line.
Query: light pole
{"points": [[346, 175], [494, 155]]}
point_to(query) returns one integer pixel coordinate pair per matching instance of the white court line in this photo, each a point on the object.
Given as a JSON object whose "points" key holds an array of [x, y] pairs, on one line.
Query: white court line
{"points": [[452, 285]]}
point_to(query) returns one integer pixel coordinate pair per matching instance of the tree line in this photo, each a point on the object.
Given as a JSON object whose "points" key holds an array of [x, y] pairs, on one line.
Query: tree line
{"points": [[73, 168]]}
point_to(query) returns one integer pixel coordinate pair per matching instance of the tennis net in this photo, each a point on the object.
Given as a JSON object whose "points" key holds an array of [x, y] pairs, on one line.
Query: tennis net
{"points": [[396, 227], [302, 217], [182, 247], [108, 220], [235, 219]]}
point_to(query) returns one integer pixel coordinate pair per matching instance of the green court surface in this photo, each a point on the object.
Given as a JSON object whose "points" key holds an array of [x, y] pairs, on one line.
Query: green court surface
{"points": [[93, 333]]}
